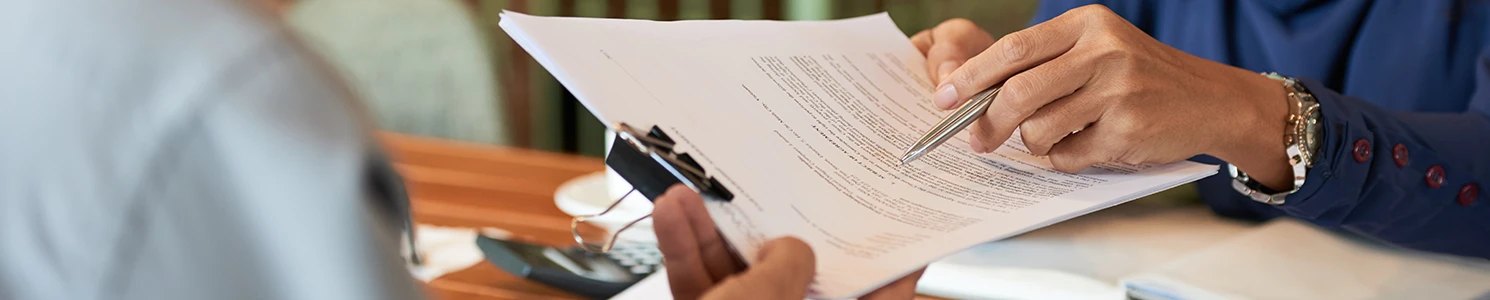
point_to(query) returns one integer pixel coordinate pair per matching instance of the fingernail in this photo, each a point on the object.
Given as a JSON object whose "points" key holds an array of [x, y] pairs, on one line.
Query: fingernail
{"points": [[977, 144], [945, 69], [945, 96]]}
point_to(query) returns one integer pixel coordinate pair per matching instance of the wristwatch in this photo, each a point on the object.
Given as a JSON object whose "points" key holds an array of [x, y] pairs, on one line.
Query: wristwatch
{"points": [[1300, 139]]}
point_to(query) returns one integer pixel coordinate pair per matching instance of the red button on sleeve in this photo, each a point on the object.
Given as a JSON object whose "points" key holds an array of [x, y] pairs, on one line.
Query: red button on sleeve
{"points": [[1434, 177], [1362, 150], [1399, 155], [1468, 193]]}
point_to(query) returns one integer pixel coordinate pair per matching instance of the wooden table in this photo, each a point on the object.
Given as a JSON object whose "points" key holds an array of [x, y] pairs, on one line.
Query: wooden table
{"points": [[469, 185]]}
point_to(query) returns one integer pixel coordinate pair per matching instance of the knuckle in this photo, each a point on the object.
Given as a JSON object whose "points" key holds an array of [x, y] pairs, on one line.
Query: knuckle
{"points": [[1015, 47], [1032, 128], [1010, 93], [1093, 10], [1130, 133], [1122, 95], [1127, 85], [1127, 131], [1029, 131], [964, 77], [1035, 138], [1132, 96], [1018, 90], [1097, 16], [1115, 53]]}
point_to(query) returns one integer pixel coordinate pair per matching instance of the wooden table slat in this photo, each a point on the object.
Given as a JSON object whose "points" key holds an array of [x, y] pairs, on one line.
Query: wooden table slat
{"points": [[482, 186]]}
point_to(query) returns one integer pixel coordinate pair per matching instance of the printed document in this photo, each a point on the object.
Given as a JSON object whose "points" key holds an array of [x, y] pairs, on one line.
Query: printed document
{"points": [[805, 122]]}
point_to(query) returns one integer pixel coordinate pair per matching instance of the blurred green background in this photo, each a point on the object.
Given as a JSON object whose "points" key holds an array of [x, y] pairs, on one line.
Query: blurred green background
{"points": [[443, 68]]}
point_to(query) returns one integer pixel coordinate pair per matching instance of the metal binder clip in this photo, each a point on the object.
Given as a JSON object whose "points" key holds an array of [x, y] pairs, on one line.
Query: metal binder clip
{"points": [[603, 247], [647, 161]]}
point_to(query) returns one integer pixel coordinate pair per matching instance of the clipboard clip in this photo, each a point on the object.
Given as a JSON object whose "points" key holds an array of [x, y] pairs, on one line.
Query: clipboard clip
{"points": [[647, 161]]}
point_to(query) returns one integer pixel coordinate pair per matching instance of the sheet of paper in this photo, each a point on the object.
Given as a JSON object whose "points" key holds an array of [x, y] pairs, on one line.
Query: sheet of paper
{"points": [[804, 122], [1290, 259]]}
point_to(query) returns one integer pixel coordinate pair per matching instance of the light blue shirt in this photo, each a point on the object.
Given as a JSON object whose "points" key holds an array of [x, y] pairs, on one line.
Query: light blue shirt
{"points": [[181, 149]]}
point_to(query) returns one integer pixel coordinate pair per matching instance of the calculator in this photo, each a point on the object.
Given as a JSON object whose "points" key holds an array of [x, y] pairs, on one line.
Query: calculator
{"points": [[575, 270]]}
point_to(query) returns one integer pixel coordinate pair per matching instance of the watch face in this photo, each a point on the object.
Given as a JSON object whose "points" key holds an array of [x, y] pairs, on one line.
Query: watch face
{"points": [[1311, 131]]}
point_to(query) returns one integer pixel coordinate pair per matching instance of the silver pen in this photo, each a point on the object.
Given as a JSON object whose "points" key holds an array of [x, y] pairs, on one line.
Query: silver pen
{"points": [[951, 125]]}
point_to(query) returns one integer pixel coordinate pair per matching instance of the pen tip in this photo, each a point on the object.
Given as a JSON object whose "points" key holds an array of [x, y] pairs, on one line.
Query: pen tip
{"points": [[908, 157]]}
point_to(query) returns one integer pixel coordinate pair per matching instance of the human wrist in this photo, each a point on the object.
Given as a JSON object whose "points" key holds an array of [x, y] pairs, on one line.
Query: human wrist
{"points": [[1255, 141]]}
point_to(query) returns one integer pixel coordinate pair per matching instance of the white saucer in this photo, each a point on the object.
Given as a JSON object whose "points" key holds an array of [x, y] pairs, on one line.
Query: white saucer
{"points": [[590, 194]]}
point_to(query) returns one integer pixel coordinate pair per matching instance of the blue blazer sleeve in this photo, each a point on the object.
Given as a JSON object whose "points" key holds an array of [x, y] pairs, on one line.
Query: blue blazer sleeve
{"points": [[1412, 179], [1434, 200]]}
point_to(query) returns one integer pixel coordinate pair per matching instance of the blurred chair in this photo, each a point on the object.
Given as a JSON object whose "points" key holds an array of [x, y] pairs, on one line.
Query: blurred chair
{"points": [[424, 67]]}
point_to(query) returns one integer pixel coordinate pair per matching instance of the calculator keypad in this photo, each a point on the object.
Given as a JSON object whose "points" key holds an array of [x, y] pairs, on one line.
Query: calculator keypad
{"points": [[638, 258]]}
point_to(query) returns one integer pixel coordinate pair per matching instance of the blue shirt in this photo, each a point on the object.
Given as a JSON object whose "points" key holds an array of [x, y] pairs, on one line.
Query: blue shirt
{"points": [[1404, 87]]}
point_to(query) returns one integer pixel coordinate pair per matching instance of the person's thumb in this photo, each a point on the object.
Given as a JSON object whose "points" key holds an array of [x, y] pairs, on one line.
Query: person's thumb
{"points": [[784, 269]]}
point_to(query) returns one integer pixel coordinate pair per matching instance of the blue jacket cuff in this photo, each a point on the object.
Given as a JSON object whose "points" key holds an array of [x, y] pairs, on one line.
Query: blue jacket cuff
{"points": [[1334, 151]]}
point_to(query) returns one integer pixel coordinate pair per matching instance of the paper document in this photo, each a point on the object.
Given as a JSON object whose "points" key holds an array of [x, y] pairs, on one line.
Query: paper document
{"points": [[1291, 259], [804, 122]]}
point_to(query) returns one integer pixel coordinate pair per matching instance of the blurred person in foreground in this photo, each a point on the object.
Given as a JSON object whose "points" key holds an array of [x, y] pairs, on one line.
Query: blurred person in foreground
{"points": [[183, 149], [192, 149]]}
